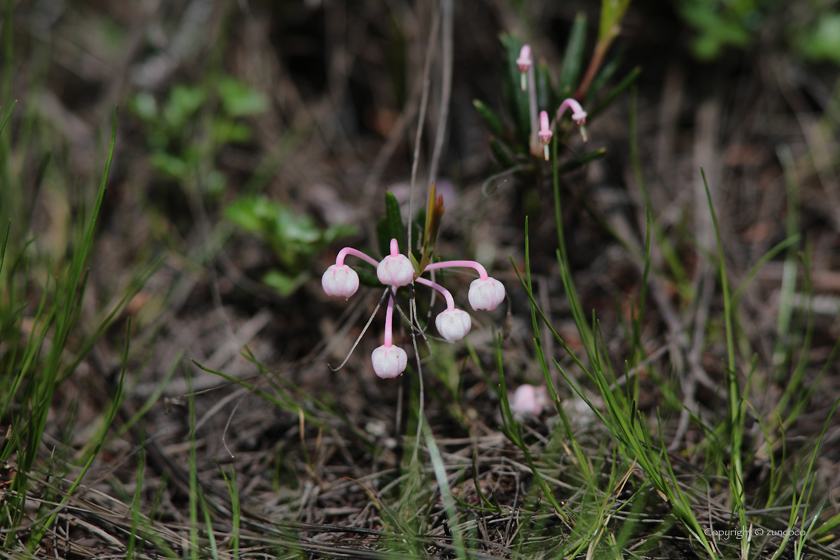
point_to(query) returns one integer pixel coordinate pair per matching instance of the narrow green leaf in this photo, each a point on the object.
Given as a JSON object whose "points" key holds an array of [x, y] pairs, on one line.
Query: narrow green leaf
{"points": [[605, 74], [5, 243], [517, 99], [615, 92], [490, 118], [396, 230], [502, 153], [546, 94], [581, 160], [573, 57]]}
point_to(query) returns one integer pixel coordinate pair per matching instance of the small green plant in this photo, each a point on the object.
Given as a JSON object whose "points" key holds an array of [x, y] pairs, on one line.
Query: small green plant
{"points": [[295, 238], [536, 102], [182, 139]]}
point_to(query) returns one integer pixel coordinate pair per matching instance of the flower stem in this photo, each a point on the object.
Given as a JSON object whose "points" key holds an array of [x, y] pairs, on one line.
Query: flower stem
{"points": [[450, 303], [339, 260], [482, 273], [389, 319]]}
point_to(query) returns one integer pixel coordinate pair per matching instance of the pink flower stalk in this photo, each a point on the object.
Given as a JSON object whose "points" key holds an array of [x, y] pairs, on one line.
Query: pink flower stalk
{"points": [[578, 114], [340, 279], [396, 270], [485, 293], [524, 63], [545, 133]]}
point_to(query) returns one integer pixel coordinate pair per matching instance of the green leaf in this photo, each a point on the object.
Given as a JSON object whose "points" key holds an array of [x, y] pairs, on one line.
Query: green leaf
{"points": [[823, 41], [606, 73], [145, 106], [490, 118], [183, 102], [337, 231], [546, 97], [227, 131], [395, 230], [171, 166], [573, 57], [284, 284], [580, 161], [367, 277], [240, 100], [383, 236], [616, 91], [215, 183], [612, 12], [244, 213], [517, 99], [502, 153]]}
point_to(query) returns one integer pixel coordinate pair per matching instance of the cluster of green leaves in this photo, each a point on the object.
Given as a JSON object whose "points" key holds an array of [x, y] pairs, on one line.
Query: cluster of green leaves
{"points": [[181, 136], [814, 33], [294, 237]]}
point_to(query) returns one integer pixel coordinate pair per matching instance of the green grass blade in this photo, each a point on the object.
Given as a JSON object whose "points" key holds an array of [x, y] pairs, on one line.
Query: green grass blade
{"points": [[236, 512], [573, 57], [39, 532], [620, 88], [445, 491]]}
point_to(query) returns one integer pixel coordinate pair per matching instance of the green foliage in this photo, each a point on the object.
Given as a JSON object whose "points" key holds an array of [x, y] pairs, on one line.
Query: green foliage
{"points": [[720, 23], [814, 33], [193, 124], [390, 226], [294, 237], [822, 40]]}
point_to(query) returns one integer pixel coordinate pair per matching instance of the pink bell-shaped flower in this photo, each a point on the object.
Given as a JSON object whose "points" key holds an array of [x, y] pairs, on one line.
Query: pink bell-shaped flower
{"points": [[395, 269], [389, 361], [340, 280], [486, 294], [453, 324]]}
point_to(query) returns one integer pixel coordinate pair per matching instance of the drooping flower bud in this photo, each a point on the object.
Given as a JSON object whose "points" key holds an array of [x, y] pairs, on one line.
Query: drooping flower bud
{"points": [[389, 361], [340, 280], [453, 324], [486, 294], [395, 269], [524, 63], [545, 133], [578, 114]]}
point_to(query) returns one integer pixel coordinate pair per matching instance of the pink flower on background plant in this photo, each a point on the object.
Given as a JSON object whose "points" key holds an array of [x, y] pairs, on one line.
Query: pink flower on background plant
{"points": [[528, 400], [578, 114], [524, 63], [545, 133]]}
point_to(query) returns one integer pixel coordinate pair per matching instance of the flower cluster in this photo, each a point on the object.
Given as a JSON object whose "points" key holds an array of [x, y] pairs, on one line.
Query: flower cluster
{"points": [[395, 270], [526, 68]]}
